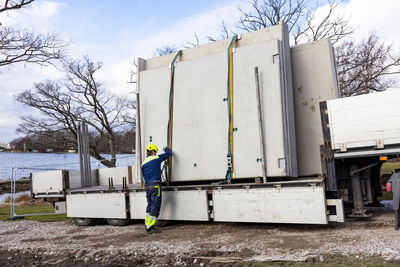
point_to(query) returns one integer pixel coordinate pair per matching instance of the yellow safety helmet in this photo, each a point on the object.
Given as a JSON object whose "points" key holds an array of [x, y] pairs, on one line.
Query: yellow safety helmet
{"points": [[152, 147]]}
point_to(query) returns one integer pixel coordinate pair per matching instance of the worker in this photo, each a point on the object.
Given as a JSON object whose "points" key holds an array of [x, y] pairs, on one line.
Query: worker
{"points": [[151, 169]]}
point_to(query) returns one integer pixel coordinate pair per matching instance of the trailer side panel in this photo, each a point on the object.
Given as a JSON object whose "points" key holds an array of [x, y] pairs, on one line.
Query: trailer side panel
{"points": [[271, 205]]}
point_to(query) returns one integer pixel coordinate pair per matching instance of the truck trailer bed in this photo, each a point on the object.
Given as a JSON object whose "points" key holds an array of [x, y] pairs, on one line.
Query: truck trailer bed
{"points": [[292, 201]]}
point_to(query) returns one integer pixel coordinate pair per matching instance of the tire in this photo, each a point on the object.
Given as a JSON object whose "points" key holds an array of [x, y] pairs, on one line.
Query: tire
{"points": [[84, 221], [118, 222]]}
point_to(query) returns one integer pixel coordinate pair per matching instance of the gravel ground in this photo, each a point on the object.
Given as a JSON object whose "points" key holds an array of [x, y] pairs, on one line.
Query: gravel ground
{"points": [[196, 244]]}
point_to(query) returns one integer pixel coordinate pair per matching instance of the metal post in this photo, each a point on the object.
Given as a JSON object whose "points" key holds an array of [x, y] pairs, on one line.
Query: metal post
{"points": [[14, 190], [140, 64], [12, 193], [138, 141], [84, 157], [260, 125], [87, 156], [358, 210]]}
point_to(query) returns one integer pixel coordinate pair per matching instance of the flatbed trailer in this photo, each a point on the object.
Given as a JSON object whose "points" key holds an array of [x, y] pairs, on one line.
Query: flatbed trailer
{"points": [[297, 201]]}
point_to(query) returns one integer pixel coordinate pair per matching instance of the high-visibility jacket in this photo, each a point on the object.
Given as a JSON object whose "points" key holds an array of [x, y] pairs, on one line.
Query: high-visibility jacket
{"points": [[151, 167]]}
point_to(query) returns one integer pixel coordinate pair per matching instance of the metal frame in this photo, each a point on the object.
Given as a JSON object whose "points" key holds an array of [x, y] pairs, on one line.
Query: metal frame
{"points": [[327, 156], [260, 125]]}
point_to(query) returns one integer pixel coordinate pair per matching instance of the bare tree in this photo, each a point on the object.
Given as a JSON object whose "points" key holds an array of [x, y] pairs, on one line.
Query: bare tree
{"points": [[22, 46], [266, 13], [80, 97], [14, 4], [366, 67], [224, 32], [195, 43], [329, 24], [165, 50]]}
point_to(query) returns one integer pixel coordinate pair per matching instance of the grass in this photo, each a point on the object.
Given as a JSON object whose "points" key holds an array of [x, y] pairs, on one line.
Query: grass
{"points": [[389, 167], [331, 260], [24, 206], [386, 196]]}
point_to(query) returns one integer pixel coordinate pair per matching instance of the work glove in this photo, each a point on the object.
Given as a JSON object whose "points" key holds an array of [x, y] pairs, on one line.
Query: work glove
{"points": [[165, 149]]}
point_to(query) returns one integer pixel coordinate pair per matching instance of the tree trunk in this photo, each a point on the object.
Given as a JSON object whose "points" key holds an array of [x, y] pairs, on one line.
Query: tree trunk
{"points": [[103, 161]]}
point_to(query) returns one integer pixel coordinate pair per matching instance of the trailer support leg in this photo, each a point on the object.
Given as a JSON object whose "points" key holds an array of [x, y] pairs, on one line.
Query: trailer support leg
{"points": [[359, 210]]}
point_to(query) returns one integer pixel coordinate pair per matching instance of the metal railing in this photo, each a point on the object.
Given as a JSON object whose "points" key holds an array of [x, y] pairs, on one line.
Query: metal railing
{"points": [[49, 167]]}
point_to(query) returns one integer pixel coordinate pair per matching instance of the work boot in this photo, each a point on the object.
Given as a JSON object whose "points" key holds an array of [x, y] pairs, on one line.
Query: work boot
{"points": [[153, 231]]}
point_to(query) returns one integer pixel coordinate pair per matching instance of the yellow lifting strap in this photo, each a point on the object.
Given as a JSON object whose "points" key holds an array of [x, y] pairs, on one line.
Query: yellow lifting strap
{"points": [[229, 172]]}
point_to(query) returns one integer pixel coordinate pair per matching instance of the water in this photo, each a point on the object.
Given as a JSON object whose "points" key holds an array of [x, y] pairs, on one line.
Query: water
{"points": [[36, 162]]}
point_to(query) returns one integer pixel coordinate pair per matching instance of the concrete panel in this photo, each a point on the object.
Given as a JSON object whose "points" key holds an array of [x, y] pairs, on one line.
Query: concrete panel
{"points": [[200, 113], [75, 181], [49, 182], [275, 32], [176, 205], [366, 120], [154, 97], [271, 205], [200, 119], [117, 174], [246, 138], [97, 205], [314, 80]]}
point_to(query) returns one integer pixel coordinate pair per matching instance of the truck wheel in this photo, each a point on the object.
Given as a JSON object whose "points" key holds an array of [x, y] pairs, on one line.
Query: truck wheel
{"points": [[84, 221], [118, 222]]}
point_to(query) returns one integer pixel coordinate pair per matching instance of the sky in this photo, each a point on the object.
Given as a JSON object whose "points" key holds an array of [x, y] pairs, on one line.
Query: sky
{"points": [[115, 32]]}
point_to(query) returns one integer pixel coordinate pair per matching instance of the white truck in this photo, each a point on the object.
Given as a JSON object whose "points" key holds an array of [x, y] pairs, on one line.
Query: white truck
{"points": [[258, 131]]}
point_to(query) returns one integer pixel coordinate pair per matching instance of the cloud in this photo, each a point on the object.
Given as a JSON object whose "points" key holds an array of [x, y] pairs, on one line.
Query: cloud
{"points": [[37, 16], [204, 24], [375, 15], [117, 55], [369, 15], [118, 75]]}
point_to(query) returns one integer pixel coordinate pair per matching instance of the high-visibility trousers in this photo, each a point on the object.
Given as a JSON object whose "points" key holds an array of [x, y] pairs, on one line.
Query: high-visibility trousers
{"points": [[153, 195]]}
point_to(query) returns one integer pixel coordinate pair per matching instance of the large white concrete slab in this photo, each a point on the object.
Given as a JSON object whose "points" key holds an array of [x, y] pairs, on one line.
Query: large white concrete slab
{"points": [[117, 173], [75, 181], [314, 80], [200, 136]]}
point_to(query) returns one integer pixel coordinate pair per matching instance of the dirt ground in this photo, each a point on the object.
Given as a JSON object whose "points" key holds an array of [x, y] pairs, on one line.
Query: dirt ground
{"points": [[198, 244]]}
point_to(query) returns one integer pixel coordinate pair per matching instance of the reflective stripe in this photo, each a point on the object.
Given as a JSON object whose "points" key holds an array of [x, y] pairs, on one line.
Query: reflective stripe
{"points": [[150, 221], [149, 158], [158, 187]]}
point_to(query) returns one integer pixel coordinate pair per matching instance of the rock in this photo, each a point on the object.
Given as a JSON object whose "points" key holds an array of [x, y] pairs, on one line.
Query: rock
{"points": [[202, 264], [80, 253], [321, 258], [195, 261]]}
